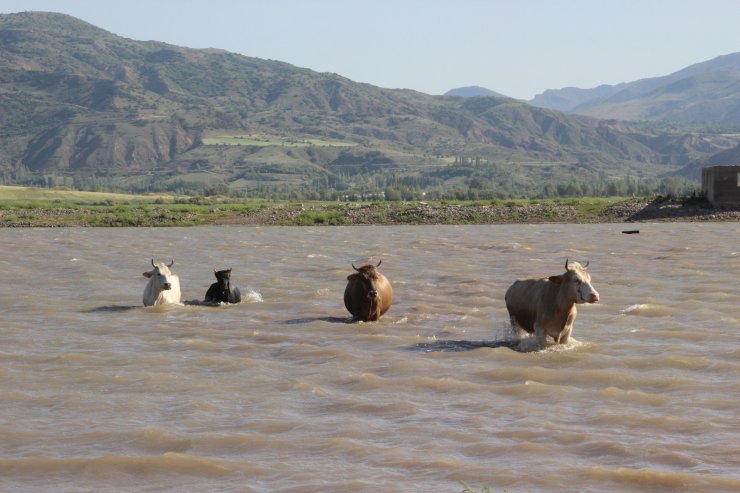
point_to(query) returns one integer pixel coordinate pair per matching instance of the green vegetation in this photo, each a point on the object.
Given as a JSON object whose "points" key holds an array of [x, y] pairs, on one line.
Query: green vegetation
{"points": [[29, 197], [355, 183], [50, 208], [269, 141], [34, 206]]}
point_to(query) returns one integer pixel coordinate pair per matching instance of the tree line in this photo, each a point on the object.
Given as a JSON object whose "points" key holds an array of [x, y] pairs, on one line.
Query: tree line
{"points": [[460, 181]]}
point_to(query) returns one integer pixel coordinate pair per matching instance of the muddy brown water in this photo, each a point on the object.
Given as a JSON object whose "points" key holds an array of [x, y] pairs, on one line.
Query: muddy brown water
{"points": [[279, 394]]}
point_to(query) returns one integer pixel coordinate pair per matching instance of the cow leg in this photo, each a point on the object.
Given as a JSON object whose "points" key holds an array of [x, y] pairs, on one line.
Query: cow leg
{"points": [[518, 328], [564, 335], [540, 334]]}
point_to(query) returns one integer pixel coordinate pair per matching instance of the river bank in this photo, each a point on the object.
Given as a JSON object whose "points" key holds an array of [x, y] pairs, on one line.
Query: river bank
{"points": [[379, 213], [572, 212]]}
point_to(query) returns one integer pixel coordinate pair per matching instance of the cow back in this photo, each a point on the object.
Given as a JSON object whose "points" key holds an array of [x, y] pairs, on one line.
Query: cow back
{"points": [[385, 292], [213, 295], [235, 296], [526, 298], [355, 297]]}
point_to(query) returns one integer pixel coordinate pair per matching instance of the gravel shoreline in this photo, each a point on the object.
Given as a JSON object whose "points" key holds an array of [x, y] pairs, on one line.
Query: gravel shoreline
{"points": [[547, 212], [382, 213]]}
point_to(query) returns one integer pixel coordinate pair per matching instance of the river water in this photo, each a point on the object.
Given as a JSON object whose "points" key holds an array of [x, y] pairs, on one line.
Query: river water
{"points": [[279, 394]]}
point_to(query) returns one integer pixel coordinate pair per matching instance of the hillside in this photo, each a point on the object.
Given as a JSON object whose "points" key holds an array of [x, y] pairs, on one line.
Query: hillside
{"points": [[473, 92], [82, 107], [705, 92]]}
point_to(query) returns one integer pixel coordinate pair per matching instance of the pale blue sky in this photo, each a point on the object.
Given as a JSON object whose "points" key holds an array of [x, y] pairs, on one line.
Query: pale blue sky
{"points": [[515, 47]]}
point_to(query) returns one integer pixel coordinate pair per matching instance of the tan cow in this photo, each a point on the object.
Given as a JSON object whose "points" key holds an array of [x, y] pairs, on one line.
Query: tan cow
{"points": [[163, 286], [368, 294], [547, 307]]}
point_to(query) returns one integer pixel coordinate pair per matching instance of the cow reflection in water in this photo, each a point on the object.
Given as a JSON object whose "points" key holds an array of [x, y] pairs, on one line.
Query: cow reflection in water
{"points": [[547, 306], [368, 294]]}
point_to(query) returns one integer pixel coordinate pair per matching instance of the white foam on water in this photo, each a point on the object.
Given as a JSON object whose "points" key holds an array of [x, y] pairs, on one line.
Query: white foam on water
{"points": [[648, 310], [634, 308], [252, 296]]}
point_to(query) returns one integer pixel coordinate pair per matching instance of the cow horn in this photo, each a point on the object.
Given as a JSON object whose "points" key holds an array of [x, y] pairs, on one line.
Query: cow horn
{"points": [[153, 263], [172, 263], [379, 262], [355, 268], [566, 262], [587, 262]]}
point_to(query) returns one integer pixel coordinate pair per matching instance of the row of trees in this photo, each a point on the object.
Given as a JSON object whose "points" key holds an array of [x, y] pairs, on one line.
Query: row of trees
{"points": [[374, 186], [620, 187]]}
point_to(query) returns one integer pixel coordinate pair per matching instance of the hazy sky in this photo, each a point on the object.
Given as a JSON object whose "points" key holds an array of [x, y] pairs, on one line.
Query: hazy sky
{"points": [[516, 47]]}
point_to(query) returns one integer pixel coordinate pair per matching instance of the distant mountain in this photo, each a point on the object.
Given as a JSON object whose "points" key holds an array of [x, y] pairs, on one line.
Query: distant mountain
{"points": [[473, 92], [729, 157], [704, 92], [569, 98], [82, 106]]}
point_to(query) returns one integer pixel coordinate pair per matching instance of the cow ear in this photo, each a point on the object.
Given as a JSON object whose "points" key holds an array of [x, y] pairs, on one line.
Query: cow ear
{"points": [[352, 277], [556, 279], [146, 274]]}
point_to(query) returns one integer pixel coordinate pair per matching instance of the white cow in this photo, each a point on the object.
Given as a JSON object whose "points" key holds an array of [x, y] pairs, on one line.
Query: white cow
{"points": [[163, 286]]}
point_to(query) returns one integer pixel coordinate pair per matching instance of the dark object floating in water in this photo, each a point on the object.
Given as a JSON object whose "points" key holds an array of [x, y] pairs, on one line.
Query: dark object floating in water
{"points": [[458, 346], [631, 232], [112, 308]]}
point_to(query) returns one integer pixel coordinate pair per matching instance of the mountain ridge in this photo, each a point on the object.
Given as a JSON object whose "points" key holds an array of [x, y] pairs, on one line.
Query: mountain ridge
{"points": [[84, 105], [705, 91], [473, 91]]}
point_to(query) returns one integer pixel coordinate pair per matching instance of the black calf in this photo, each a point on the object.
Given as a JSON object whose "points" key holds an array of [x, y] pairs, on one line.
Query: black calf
{"points": [[221, 290]]}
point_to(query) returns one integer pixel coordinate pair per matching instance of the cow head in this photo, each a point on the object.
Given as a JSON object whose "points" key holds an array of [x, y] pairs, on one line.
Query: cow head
{"points": [[224, 278], [222, 275], [576, 283], [160, 274], [368, 276]]}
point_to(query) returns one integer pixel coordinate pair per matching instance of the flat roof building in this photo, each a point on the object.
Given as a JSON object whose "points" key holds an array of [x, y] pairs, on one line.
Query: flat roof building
{"points": [[721, 185]]}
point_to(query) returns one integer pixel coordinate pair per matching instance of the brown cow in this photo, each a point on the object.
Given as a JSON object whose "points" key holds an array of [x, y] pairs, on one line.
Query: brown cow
{"points": [[547, 306], [368, 294]]}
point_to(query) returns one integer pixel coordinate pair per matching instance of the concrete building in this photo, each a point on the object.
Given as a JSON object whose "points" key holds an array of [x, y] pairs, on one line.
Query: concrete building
{"points": [[721, 185]]}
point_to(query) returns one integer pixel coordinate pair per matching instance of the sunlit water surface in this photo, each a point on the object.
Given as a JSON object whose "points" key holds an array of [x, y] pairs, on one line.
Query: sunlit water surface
{"points": [[279, 394]]}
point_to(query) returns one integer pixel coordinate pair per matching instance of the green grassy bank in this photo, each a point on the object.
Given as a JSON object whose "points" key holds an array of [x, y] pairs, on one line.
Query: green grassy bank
{"points": [[40, 207]]}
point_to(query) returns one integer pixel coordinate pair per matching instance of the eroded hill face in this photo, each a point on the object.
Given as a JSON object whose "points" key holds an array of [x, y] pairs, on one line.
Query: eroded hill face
{"points": [[78, 101]]}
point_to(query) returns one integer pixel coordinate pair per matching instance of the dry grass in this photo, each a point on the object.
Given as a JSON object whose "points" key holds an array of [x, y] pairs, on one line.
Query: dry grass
{"points": [[15, 195]]}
